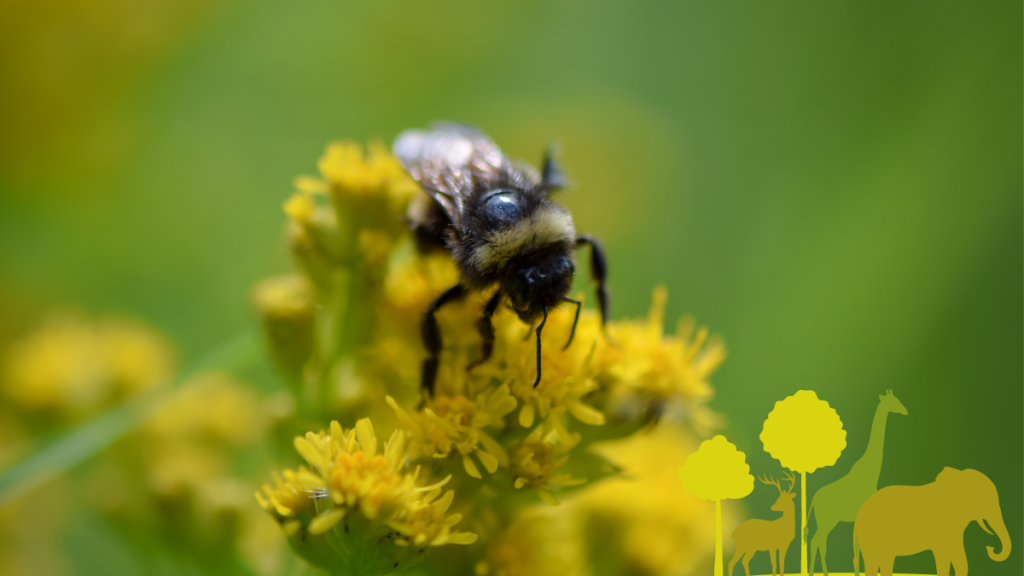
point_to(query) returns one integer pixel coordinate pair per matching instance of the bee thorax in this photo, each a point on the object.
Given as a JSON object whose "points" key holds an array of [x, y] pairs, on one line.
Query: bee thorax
{"points": [[551, 224]]}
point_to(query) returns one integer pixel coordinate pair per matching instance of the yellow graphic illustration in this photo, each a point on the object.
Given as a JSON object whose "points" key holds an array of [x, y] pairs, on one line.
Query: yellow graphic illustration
{"points": [[718, 471], [773, 536], [905, 520], [839, 501], [804, 434]]}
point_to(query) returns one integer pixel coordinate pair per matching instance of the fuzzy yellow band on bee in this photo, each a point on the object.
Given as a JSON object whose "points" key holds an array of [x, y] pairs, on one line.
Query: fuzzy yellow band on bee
{"points": [[546, 226]]}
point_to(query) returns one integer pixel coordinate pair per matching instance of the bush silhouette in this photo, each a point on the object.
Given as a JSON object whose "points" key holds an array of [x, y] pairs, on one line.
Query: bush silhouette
{"points": [[804, 433], [717, 471]]}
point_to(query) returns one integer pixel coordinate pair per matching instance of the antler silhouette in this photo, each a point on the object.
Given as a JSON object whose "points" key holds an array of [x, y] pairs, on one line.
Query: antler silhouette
{"points": [[792, 482], [771, 481]]}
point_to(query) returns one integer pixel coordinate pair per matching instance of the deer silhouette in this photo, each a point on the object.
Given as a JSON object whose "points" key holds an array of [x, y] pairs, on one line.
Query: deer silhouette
{"points": [[769, 535]]}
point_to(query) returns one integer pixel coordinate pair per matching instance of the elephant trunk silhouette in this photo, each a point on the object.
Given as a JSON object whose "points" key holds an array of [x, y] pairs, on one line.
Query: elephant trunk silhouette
{"points": [[999, 528]]}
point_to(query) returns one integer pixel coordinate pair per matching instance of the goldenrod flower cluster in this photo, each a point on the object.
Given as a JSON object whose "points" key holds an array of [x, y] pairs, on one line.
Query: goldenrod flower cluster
{"points": [[345, 330], [71, 366], [176, 474], [381, 516]]}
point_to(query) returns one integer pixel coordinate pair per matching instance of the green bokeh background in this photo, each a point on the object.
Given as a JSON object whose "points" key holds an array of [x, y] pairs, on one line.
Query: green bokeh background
{"points": [[835, 188]]}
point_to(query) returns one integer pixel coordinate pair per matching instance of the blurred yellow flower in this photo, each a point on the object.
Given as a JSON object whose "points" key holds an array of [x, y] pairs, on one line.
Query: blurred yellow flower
{"points": [[658, 528], [71, 366], [537, 541]]}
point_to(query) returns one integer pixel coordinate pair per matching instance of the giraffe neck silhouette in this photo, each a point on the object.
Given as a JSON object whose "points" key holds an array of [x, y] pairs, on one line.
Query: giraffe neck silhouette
{"points": [[870, 464]]}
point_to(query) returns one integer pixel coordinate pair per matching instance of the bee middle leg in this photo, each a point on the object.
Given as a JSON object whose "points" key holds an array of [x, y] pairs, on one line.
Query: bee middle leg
{"points": [[599, 271], [486, 329], [432, 336]]}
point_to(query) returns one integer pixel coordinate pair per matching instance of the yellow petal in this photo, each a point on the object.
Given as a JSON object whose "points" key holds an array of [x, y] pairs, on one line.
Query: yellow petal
{"points": [[489, 462], [493, 448], [526, 415], [586, 414], [299, 207], [394, 449], [291, 527], [367, 439], [309, 185], [462, 538], [326, 521], [441, 506], [547, 497], [501, 402], [471, 468], [403, 416], [441, 423], [435, 486], [304, 447]]}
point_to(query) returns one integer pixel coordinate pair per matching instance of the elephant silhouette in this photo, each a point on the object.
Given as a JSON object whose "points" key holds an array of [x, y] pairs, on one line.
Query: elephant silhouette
{"points": [[905, 520]]}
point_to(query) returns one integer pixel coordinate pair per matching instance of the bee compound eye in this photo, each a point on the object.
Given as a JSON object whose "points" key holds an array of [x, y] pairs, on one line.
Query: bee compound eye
{"points": [[502, 205]]}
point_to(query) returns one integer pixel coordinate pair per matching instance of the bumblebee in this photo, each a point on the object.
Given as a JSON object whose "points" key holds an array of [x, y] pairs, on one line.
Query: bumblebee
{"points": [[496, 218]]}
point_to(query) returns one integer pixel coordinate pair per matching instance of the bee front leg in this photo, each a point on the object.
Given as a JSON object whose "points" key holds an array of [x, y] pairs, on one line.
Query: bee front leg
{"points": [[486, 329], [539, 328], [432, 336], [599, 271], [579, 305]]}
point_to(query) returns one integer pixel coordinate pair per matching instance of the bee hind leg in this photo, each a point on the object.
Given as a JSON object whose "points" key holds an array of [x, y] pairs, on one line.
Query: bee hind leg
{"points": [[432, 336], [599, 271], [486, 329]]}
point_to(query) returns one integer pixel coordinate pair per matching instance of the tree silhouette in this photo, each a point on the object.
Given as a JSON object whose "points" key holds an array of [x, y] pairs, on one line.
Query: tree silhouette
{"points": [[714, 472], [804, 434]]}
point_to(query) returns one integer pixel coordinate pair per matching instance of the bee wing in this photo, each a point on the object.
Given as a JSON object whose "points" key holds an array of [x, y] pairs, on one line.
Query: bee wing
{"points": [[447, 160]]}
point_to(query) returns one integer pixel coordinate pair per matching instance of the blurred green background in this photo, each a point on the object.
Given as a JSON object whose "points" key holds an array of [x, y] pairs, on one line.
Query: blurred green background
{"points": [[835, 188]]}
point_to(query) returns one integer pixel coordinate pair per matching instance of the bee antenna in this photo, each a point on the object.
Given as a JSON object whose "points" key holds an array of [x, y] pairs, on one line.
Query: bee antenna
{"points": [[552, 177]]}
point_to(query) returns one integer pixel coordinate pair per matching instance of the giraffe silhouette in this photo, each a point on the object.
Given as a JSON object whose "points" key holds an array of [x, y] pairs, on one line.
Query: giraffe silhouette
{"points": [[839, 501]]}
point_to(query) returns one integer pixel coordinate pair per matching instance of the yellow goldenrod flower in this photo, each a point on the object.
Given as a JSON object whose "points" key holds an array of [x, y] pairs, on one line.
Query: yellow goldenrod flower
{"points": [[538, 541], [536, 463], [642, 369], [286, 305], [135, 357], [289, 498], [362, 497], [72, 366], [646, 516], [213, 409], [190, 440], [485, 428], [455, 423], [346, 170], [568, 375], [368, 196]]}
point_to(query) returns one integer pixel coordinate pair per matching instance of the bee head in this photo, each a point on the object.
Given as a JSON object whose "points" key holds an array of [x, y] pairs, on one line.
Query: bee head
{"points": [[543, 284]]}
